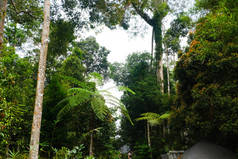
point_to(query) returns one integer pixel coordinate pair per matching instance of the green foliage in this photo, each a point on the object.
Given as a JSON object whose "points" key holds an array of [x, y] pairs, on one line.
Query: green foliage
{"points": [[163, 9], [65, 153], [73, 67], [25, 17], [15, 35], [147, 97], [16, 90], [110, 13], [179, 28], [207, 96], [59, 41], [126, 89], [93, 56], [153, 118], [81, 96], [141, 151], [90, 157], [213, 5]]}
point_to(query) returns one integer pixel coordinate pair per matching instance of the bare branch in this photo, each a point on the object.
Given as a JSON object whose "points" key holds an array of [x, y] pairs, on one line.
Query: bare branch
{"points": [[142, 14]]}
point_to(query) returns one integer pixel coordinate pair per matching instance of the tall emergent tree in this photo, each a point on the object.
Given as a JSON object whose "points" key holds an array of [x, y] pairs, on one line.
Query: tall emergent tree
{"points": [[158, 9], [36, 124]]}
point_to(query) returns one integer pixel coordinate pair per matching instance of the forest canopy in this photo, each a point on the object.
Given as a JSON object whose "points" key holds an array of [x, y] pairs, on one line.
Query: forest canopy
{"points": [[52, 104]]}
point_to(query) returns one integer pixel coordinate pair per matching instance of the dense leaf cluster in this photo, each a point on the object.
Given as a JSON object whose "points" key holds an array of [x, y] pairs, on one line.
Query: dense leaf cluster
{"points": [[208, 81]]}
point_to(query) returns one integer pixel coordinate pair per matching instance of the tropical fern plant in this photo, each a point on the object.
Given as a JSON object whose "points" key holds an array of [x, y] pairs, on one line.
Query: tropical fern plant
{"points": [[153, 118], [77, 97]]}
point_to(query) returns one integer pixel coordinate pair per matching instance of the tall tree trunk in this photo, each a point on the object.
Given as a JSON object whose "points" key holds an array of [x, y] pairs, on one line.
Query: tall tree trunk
{"points": [[148, 137], [36, 124], [158, 50], [91, 126], [161, 74], [3, 12], [7, 150], [152, 50], [91, 145], [168, 78], [148, 134]]}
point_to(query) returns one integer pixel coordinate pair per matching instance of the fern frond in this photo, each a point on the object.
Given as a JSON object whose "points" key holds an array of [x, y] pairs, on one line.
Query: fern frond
{"points": [[96, 77], [153, 118], [76, 97], [81, 91], [165, 116], [62, 103], [126, 89], [99, 107], [73, 80], [124, 111], [66, 109]]}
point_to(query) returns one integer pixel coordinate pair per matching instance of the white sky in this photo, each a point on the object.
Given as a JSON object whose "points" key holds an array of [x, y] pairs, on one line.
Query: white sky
{"points": [[121, 43]]}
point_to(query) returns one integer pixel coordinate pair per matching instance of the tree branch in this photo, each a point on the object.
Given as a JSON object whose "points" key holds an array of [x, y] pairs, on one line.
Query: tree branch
{"points": [[21, 11], [142, 14]]}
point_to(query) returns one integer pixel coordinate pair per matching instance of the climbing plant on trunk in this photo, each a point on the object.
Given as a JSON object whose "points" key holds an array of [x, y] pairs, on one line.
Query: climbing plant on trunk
{"points": [[159, 10]]}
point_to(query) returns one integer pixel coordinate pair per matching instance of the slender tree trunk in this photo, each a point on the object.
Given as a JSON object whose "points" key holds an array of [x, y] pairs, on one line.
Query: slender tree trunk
{"points": [[3, 12], [7, 150], [91, 145], [148, 134], [158, 50], [148, 137], [91, 126], [168, 78], [164, 128], [161, 74], [36, 124], [152, 50]]}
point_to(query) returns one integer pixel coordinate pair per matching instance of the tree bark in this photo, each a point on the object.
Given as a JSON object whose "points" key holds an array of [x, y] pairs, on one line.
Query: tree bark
{"points": [[91, 145], [3, 12], [160, 74], [148, 137], [152, 50], [156, 23], [36, 124], [168, 78], [91, 126], [158, 50], [7, 150], [148, 134]]}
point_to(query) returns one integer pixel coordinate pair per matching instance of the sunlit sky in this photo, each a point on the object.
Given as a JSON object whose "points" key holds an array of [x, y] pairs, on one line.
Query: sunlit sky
{"points": [[121, 43]]}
